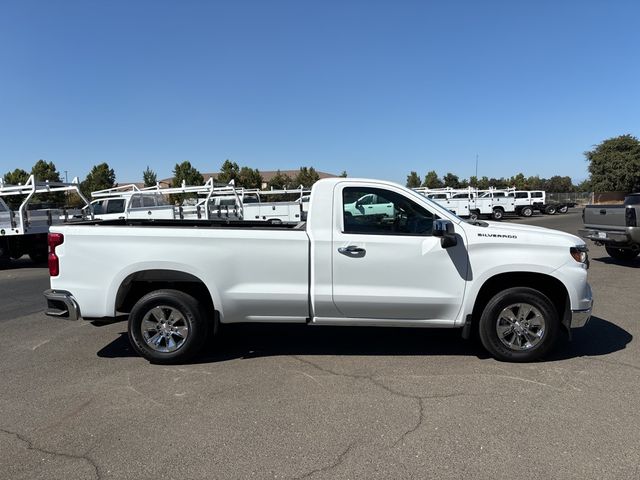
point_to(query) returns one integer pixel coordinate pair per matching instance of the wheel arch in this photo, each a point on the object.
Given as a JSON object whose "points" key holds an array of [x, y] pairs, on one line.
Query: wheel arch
{"points": [[137, 284], [550, 286]]}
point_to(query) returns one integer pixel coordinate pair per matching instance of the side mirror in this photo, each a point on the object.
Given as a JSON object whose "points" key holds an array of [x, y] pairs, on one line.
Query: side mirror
{"points": [[447, 233]]}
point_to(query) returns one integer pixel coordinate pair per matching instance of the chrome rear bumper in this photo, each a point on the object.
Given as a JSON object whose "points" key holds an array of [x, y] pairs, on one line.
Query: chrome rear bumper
{"points": [[61, 304]]}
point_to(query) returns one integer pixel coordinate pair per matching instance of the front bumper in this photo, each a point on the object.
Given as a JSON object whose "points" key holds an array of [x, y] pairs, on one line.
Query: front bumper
{"points": [[579, 318], [61, 304]]}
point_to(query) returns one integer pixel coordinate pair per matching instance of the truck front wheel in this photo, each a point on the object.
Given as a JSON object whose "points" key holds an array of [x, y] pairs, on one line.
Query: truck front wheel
{"points": [[167, 326], [625, 254], [518, 325]]}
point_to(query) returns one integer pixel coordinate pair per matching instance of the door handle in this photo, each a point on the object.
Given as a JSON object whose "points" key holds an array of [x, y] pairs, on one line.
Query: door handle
{"points": [[352, 251]]}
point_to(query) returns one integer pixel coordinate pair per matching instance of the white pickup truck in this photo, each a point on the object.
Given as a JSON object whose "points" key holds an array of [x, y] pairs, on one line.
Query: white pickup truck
{"points": [[420, 267]]}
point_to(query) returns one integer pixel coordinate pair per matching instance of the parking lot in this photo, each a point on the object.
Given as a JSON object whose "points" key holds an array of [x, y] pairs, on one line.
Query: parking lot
{"points": [[299, 402]]}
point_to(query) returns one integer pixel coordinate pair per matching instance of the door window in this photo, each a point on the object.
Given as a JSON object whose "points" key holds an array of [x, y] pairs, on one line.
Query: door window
{"points": [[115, 206], [383, 212]]}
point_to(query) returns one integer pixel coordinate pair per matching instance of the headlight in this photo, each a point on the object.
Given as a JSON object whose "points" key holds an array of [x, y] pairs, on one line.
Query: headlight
{"points": [[579, 254]]}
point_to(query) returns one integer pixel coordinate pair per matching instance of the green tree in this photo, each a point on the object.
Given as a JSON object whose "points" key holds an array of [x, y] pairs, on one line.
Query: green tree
{"points": [[17, 177], [343, 174], [484, 183], [464, 183], [228, 171], [584, 186], [558, 184], [149, 177], [498, 182], [189, 174], [451, 180], [46, 171], [413, 180], [614, 164], [281, 181], [519, 181], [535, 183], [306, 177], [249, 178], [431, 180], [185, 171], [99, 178]]}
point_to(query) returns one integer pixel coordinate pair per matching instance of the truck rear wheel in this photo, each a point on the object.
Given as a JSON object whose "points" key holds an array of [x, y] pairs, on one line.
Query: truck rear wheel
{"points": [[167, 326], [518, 325], [625, 254], [497, 214], [526, 211], [551, 210]]}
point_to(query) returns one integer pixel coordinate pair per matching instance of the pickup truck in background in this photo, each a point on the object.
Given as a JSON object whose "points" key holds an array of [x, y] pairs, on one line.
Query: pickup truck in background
{"points": [[419, 266], [614, 226]]}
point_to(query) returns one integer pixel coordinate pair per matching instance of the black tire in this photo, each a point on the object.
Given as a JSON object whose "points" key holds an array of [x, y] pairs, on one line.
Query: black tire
{"points": [[526, 211], [624, 254], [493, 320], [551, 210], [497, 214], [473, 215], [191, 314]]}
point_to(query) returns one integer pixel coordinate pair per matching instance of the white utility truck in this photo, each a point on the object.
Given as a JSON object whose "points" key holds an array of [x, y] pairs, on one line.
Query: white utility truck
{"points": [[470, 202], [23, 230], [423, 266]]}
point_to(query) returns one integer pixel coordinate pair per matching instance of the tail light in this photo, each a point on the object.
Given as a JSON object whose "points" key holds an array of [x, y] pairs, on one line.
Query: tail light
{"points": [[630, 217], [55, 239]]}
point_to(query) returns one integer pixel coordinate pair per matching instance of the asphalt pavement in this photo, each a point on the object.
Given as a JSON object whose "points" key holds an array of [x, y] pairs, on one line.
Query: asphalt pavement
{"points": [[293, 402]]}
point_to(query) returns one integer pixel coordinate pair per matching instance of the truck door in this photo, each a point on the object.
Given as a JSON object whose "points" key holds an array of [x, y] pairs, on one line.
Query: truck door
{"points": [[390, 266]]}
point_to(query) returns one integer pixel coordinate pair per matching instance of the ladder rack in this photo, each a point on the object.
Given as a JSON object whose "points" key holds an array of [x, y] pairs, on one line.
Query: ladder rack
{"points": [[33, 187]]}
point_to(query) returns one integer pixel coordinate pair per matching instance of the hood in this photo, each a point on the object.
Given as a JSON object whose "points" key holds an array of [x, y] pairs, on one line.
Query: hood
{"points": [[508, 232]]}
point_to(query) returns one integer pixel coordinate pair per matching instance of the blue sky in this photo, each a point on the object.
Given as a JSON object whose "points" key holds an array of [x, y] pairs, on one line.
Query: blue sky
{"points": [[376, 88]]}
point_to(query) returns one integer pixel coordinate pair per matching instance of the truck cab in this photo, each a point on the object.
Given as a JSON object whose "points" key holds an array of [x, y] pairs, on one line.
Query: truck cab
{"points": [[137, 205]]}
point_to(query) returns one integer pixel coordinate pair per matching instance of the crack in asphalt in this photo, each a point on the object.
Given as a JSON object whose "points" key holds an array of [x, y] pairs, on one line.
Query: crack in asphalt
{"points": [[339, 460], [419, 399], [30, 446]]}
